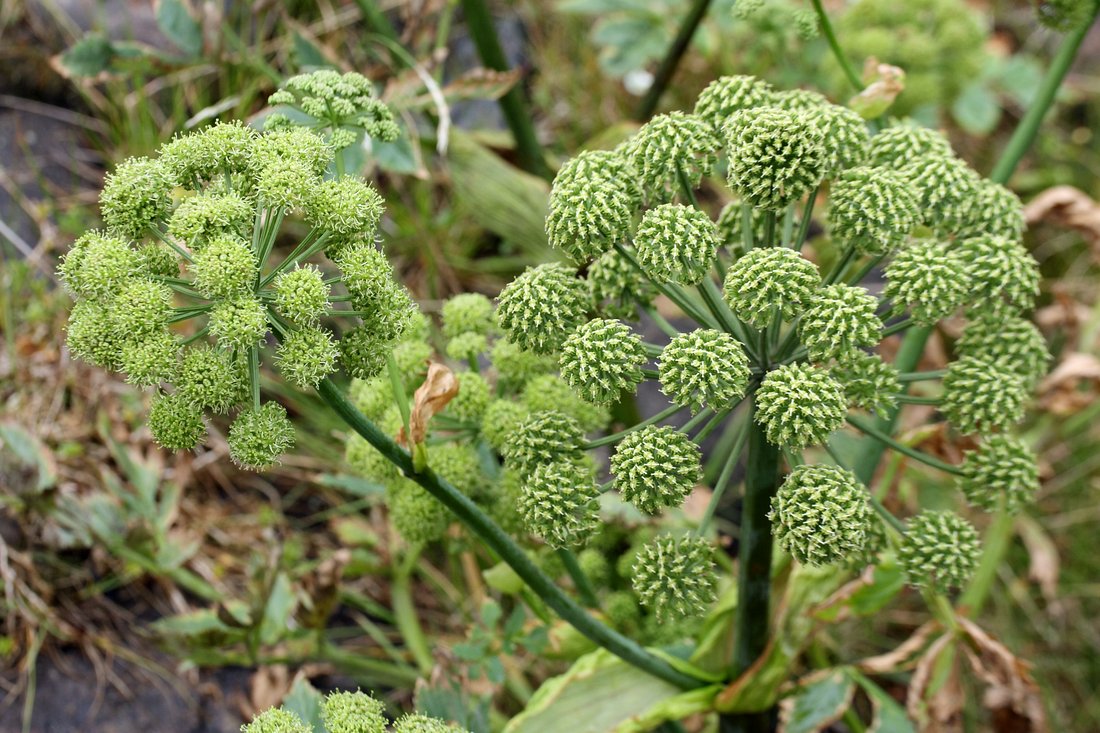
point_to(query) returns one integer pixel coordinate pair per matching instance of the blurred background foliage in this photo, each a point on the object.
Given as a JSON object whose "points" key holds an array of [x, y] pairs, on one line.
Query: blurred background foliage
{"points": [[137, 559]]}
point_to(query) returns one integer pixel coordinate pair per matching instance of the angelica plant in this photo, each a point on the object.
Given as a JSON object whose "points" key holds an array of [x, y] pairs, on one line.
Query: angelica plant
{"points": [[347, 712]]}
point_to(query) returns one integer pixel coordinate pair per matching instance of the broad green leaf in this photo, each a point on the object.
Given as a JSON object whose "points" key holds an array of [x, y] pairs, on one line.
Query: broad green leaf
{"points": [[889, 716], [90, 56], [888, 579], [818, 703], [501, 577], [304, 700], [32, 453], [277, 612], [307, 53], [176, 22], [601, 693], [977, 109], [399, 156]]}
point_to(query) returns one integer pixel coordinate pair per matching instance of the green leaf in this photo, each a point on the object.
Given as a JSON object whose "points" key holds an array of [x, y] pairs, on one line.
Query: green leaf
{"points": [[280, 604], [90, 56], [32, 453], [305, 700], [977, 109], [887, 581], [819, 702], [307, 53], [399, 156], [176, 22], [353, 485], [501, 577], [889, 716]]}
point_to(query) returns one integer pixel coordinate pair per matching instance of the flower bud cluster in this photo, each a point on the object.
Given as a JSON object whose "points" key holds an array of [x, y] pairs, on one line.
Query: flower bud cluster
{"points": [[346, 712]]}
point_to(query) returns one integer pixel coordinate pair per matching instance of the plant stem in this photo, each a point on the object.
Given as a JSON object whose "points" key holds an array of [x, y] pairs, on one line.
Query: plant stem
{"points": [[897, 327], [922, 376], [404, 611], [804, 222], [576, 572], [1024, 134], [723, 481], [496, 540], [834, 45], [995, 544], [616, 437], [872, 431], [906, 399], [841, 265], [517, 114], [671, 61], [755, 550]]}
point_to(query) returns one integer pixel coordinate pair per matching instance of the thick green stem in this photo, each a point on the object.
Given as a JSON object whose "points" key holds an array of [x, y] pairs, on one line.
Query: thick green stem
{"points": [[616, 437], [834, 45], [671, 61], [496, 540], [995, 544], [1024, 134], [513, 105]]}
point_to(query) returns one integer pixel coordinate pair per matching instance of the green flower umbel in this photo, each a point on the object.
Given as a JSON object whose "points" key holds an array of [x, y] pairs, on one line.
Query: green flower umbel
{"points": [[602, 359], [542, 306], [821, 514], [940, 550], [675, 578], [656, 467], [775, 157], [799, 405]]}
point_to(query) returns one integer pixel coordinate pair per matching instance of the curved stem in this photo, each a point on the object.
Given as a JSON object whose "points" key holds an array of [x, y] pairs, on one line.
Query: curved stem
{"points": [[671, 60], [616, 437], [723, 481], [576, 572], [872, 431], [404, 611], [834, 45], [500, 543]]}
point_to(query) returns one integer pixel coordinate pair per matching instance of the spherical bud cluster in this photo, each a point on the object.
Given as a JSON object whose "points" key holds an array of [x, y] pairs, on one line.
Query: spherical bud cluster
{"points": [[560, 503], [799, 100], [287, 185], [896, 147], [821, 514], [301, 295], [769, 281], [980, 396], [799, 405], [91, 335], [846, 137], [542, 306], [868, 382], [872, 209], [946, 189], [543, 437], [730, 94], [175, 423], [704, 368], [667, 147], [467, 313], [141, 308], [656, 467], [150, 360], [675, 578], [416, 515], [258, 437], [416, 723], [372, 397], [223, 148], [240, 323], [156, 260], [550, 392], [209, 379], [338, 101], [1012, 343], [352, 712], [459, 464], [500, 422], [775, 157], [277, 720], [676, 243], [1001, 475], [208, 215], [296, 146], [98, 265], [225, 268], [467, 346], [364, 460], [940, 551], [838, 319], [997, 212], [137, 195], [344, 207], [929, 279], [618, 287], [306, 356], [602, 359], [516, 366], [1002, 273], [590, 209], [473, 398]]}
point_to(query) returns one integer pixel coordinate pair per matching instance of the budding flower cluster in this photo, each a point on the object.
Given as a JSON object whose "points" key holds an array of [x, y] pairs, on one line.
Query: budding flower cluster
{"points": [[343, 104], [346, 712]]}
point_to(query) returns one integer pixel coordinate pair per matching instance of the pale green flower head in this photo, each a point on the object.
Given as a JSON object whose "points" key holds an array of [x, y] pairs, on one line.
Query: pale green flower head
{"points": [[872, 209], [704, 368], [981, 396], [542, 306], [543, 437], [559, 502], [335, 102], [940, 551], [799, 405], [676, 243], [591, 205], [656, 467], [898, 146], [929, 279], [276, 720], [468, 313], [821, 514], [1002, 474], [730, 94], [675, 578], [602, 359], [258, 437], [670, 146], [767, 281], [416, 515], [618, 287], [775, 157], [868, 382], [838, 319], [1011, 342]]}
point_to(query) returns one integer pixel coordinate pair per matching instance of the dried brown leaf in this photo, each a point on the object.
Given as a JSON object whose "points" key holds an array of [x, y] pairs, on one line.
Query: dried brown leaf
{"points": [[902, 656], [935, 711], [1045, 564], [1061, 392], [439, 388], [1066, 206], [1011, 696]]}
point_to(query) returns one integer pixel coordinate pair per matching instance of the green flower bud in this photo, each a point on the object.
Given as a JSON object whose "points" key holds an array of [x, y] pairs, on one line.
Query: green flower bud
{"points": [[668, 146], [136, 196], [423, 724], [799, 405], [209, 379], [930, 279], [366, 271], [946, 189], [560, 502], [363, 352], [543, 437], [656, 467], [1002, 474], [595, 566], [676, 243], [416, 515], [411, 358], [151, 359], [516, 366], [821, 514], [175, 423], [352, 712], [675, 579], [501, 420], [345, 206], [542, 306], [276, 720], [799, 100], [872, 209], [846, 138], [1002, 273], [618, 287], [775, 157], [997, 212], [473, 398], [156, 260], [467, 313], [301, 295], [240, 323], [141, 307], [98, 265], [208, 216], [91, 335], [339, 100], [365, 461], [225, 268], [467, 346], [589, 210], [287, 184], [837, 319], [460, 464], [770, 280], [1014, 344], [550, 392], [306, 356], [258, 437], [897, 147], [729, 94], [980, 396], [372, 397], [293, 144], [868, 382], [622, 610], [210, 153], [704, 368], [602, 359], [940, 551]]}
